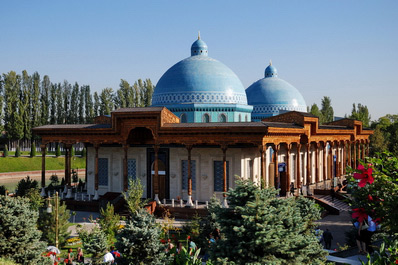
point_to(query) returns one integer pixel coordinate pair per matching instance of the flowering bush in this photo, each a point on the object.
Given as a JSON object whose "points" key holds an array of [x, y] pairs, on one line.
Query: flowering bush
{"points": [[73, 241]]}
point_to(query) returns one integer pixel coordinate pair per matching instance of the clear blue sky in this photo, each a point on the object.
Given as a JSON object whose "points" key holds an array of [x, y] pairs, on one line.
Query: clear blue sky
{"points": [[346, 50]]}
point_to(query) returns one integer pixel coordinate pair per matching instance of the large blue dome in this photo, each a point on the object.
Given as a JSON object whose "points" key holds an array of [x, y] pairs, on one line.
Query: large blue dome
{"points": [[271, 95], [199, 79]]}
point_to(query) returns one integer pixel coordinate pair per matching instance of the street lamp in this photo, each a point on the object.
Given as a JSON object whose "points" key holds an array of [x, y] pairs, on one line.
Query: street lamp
{"points": [[49, 210]]}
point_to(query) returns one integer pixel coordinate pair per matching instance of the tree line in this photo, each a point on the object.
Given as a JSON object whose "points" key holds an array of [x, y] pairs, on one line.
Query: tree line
{"points": [[28, 101]]}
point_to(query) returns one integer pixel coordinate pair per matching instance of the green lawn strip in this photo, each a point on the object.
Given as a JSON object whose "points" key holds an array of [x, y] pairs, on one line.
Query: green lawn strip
{"points": [[16, 164]]}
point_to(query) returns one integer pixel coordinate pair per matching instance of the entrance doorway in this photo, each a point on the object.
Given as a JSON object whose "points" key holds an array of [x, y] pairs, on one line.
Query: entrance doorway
{"points": [[163, 173]]}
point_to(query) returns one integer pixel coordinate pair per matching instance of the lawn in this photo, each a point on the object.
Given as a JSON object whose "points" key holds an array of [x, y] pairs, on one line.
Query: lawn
{"points": [[15, 164]]}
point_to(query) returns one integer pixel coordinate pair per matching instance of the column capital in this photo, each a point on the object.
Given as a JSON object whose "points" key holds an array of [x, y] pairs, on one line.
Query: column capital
{"points": [[262, 148]]}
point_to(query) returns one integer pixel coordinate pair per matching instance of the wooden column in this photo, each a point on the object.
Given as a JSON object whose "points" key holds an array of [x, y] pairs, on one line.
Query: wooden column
{"points": [[276, 177], [331, 160], [298, 166], [317, 145], [324, 172], [344, 158], [307, 177], [156, 184], [355, 155], [189, 149], [363, 151], [262, 149], [367, 149], [96, 147], [68, 148], [43, 165], [224, 160], [125, 169], [337, 160], [349, 154], [287, 183]]}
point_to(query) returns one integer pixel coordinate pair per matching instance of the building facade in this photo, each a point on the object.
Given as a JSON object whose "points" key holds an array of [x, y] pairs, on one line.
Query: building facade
{"points": [[198, 136]]}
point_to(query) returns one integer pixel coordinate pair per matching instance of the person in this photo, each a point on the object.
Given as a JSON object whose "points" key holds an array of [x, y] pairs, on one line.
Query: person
{"points": [[292, 189], [70, 256], [327, 238], [108, 258], [80, 256], [332, 193], [116, 254], [368, 233], [170, 245], [191, 245], [359, 240]]}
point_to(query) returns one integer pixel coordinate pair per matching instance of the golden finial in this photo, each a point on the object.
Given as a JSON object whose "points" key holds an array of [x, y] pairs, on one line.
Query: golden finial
{"points": [[199, 35], [270, 62]]}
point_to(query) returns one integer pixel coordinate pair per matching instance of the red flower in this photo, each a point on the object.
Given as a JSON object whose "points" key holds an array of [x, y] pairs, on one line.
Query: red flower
{"points": [[396, 262], [370, 198], [365, 176], [360, 214], [163, 241], [377, 221]]}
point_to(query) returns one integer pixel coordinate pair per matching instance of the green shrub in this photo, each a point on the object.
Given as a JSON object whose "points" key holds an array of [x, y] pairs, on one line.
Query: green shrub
{"points": [[17, 152], [109, 222], [94, 243], [26, 184], [73, 152], [58, 150], [5, 150], [33, 150]]}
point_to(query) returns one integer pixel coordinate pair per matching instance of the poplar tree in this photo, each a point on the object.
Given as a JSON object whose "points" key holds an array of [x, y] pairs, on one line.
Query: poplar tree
{"points": [[361, 113], [60, 105], [327, 110], [89, 111], [81, 106], [107, 104], [45, 103], [96, 105], [74, 105], [66, 91], [122, 94], [315, 111], [35, 102], [26, 108], [53, 106], [149, 88], [1, 105]]}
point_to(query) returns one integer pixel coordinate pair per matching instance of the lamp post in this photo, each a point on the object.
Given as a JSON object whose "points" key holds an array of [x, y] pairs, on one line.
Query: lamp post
{"points": [[49, 210]]}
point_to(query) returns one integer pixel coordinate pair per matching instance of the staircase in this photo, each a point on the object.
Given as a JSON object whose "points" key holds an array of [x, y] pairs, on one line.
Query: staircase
{"points": [[333, 206]]}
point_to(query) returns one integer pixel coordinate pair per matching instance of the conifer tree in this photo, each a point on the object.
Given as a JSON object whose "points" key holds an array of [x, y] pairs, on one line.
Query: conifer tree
{"points": [[139, 241], [81, 106], [94, 243], [19, 236], [35, 100], [47, 224], [33, 150], [25, 107], [96, 104], [17, 152], [277, 231], [5, 150], [58, 150], [60, 105], [107, 103], [89, 111], [66, 91]]}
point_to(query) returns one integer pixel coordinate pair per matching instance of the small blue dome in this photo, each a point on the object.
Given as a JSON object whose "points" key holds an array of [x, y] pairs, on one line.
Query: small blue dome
{"points": [[199, 79], [271, 95], [199, 47]]}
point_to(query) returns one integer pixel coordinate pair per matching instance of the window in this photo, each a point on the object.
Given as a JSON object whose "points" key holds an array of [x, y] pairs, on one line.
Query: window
{"points": [[247, 118], [219, 175], [240, 117], [183, 118], [103, 171], [131, 169], [184, 173], [249, 169], [206, 118], [223, 118]]}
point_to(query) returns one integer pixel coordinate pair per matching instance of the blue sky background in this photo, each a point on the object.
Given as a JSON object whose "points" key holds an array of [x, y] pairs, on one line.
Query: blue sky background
{"points": [[346, 50]]}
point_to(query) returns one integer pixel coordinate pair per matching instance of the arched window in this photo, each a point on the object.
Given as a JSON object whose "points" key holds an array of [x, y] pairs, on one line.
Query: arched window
{"points": [[223, 118], [183, 118], [206, 118]]}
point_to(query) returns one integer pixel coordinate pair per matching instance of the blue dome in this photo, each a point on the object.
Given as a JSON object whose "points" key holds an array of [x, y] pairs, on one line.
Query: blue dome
{"points": [[199, 79], [271, 95]]}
